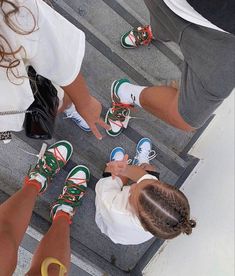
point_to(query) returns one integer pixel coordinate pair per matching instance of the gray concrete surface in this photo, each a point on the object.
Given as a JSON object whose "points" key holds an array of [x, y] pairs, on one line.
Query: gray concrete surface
{"points": [[105, 60]]}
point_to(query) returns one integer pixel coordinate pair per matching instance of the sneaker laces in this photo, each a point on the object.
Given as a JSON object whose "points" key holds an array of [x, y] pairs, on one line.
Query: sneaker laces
{"points": [[73, 192], [146, 155], [49, 164], [119, 115], [142, 35]]}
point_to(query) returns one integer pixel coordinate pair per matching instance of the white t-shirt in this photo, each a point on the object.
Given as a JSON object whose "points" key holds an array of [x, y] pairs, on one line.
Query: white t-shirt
{"points": [[114, 215], [55, 50], [187, 12]]}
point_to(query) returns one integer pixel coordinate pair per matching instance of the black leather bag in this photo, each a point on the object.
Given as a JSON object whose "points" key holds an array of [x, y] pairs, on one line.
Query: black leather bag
{"points": [[40, 117]]}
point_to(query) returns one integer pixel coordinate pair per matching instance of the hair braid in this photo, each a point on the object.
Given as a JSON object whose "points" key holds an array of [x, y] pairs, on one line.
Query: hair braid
{"points": [[164, 211]]}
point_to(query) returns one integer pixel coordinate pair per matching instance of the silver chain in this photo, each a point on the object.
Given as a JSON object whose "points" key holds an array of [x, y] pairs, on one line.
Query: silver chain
{"points": [[14, 112]]}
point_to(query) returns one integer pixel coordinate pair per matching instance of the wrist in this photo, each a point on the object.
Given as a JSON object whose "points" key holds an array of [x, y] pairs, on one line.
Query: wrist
{"points": [[83, 103]]}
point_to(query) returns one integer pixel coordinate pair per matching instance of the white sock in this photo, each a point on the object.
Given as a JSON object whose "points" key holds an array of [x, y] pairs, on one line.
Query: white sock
{"points": [[38, 177], [130, 93]]}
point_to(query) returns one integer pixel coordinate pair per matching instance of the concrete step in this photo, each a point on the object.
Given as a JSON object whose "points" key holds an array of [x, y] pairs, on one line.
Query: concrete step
{"points": [[136, 14], [105, 60], [101, 70]]}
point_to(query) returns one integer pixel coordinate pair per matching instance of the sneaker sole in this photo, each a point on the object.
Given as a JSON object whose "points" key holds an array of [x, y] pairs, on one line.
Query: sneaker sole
{"points": [[108, 131], [112, 89], [116, 82], [85, 129], [126, 47]]}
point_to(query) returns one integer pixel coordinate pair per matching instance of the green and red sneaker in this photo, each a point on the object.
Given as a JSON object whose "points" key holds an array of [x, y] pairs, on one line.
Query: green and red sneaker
{"points": [[74, 189], [136, 37], [118, 115], [55, 157]]}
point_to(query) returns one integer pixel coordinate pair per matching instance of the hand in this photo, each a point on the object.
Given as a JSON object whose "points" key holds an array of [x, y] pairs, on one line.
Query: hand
{"points": [[117, 167], [148, 167], [91, 114]]}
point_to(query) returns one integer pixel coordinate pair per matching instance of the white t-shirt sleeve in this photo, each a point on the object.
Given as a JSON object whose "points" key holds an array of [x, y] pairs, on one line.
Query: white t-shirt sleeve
{"points": [[147, 176], [107, 189], [60, 46]]}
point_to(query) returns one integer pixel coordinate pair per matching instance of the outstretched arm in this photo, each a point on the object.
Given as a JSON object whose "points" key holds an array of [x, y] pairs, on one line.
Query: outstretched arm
{"points": [[87, 106]]}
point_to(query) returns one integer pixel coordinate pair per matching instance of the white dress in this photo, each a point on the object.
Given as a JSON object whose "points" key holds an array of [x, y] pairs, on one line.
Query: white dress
{"points": [[114, 215]]}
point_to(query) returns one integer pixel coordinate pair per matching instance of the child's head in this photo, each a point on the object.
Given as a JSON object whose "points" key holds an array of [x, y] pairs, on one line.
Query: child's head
{"points": [[162, 209]]}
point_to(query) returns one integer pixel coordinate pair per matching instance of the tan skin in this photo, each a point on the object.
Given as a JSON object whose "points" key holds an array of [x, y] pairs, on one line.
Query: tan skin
{"points": [[162, 102], [13, 227], [87, 106]]}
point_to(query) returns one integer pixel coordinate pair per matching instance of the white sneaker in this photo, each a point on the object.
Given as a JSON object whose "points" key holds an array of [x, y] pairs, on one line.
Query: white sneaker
{"points": [[144, 152], [117, 154], [71, 113]]}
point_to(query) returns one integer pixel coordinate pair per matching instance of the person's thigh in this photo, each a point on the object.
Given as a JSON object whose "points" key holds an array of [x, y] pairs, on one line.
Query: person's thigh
{"points": [[166, 25], [195, 104]]}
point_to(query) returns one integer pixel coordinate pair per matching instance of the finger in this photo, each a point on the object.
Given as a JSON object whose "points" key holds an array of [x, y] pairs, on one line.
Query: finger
{"points": [[95, 131], [125, 158], [103, 124]]}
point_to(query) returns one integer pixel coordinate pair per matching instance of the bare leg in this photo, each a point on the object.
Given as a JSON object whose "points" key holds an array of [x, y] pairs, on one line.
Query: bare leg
{"points": [[162, 102], [56, 244], [15, 214]]}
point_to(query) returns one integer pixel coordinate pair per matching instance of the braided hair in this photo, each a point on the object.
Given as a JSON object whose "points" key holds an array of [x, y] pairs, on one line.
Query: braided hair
{"points": [[164, 211]]}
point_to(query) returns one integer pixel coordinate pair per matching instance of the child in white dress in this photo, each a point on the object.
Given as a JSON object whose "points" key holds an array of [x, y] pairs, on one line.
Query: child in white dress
{"points": [[134, 214]]}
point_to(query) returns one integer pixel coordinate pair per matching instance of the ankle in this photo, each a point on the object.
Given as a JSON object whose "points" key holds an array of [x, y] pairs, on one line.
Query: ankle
{"points": [[130, 93], [32, 183], [61, 215]]}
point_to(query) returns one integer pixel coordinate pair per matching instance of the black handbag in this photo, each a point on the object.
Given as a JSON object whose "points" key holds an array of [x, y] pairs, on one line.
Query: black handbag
{"points": [[40, 116]]}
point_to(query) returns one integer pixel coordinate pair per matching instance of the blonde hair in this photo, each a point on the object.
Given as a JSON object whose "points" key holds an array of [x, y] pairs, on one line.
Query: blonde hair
{"points": [[164, 211]]}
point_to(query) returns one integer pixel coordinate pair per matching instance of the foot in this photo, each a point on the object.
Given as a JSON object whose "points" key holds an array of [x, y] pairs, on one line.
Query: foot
{"points": [[117, 154], [55, 157], [72, 113], [74, 189], [144, 152], [136, 37], [118, 115]]}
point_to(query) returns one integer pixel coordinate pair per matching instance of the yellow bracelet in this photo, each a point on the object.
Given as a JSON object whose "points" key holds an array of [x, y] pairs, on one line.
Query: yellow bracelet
{"points": [[48, 261]]}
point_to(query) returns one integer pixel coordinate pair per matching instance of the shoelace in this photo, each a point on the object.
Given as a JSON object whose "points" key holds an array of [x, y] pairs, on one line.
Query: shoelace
{"points": [[49, 163], [147, 155], [142, 35], [73, 192], [119, 115]]}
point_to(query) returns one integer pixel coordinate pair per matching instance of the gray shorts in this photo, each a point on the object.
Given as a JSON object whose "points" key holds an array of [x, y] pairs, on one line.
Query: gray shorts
{"points": [[208, 72]]}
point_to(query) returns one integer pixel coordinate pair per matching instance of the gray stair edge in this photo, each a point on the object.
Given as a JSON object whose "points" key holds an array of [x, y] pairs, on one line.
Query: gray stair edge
{"points": [[31, 240]]}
